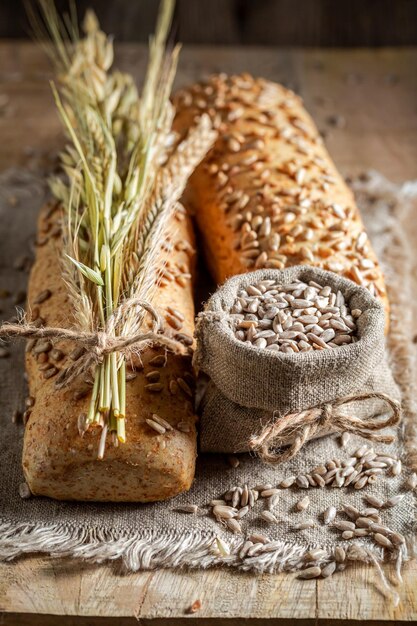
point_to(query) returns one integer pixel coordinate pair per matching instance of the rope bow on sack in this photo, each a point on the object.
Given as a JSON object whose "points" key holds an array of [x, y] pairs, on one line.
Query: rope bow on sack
{"points": [[305, 425], [99, 343]]}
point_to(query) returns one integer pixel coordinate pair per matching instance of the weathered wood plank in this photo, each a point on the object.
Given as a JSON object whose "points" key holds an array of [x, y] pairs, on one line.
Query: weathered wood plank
{"points": [[242, 596], [264, 22], [374, 92], [357, 596]]}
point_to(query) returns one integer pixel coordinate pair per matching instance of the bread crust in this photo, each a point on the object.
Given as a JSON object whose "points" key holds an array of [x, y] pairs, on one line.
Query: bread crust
{"points": [[268, 193], [60, 463]]}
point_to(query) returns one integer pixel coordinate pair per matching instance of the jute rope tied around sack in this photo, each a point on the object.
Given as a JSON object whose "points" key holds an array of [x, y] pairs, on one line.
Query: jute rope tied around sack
{"points": [[308, 424], [99, 343]]}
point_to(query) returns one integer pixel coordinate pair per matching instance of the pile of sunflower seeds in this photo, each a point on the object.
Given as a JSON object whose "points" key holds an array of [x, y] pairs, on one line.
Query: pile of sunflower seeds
{"points": [[362, 468], [368, 522], [297, 317], [239, 504]]}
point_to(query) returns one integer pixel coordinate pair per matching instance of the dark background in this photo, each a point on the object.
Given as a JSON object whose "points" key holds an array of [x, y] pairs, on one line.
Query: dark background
{"points": [[337, 23]]}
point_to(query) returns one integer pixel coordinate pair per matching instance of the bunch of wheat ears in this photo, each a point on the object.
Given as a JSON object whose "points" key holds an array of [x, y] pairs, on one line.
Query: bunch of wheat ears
{"points": [[125, 172]]}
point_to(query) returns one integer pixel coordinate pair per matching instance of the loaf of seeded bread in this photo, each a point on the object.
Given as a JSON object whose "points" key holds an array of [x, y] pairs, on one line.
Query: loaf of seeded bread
{"points": [[268, 194], [58, 461]]}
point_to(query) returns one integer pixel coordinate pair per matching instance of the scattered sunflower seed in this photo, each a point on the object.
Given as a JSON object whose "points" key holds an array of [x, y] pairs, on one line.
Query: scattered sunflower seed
{"points": [[188, 508], [310, 572], [355, 552], [244, 549], [319, 480], [258, 538], [234, 526], [396, 468], [154, 387], [263, 487], [272, 501], [339, 554], [236, 496], [344, 525], [302, 482], [397, 539], [244, 499], [376, 527], [158, 361], [329, 515], [252, 497], [242, 512], [161, 421], [315, 554], [363, 522], [266, 493], [17, 416], [42, 296], [344, 439], [374, 501], [351, 511], [391, 502], [51, 371], [224, 512], [155, 426], [24, 491], [360, 484], [304, 525], [328, 569], [269, 517], [222, 547], [361, 451], [255, 548], [348, 534], [287, 482], [303, 504], [382, 540]]}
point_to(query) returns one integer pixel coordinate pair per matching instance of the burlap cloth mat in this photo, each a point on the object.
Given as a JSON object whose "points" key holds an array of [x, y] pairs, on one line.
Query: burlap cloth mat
{"points": [[157, 535]]}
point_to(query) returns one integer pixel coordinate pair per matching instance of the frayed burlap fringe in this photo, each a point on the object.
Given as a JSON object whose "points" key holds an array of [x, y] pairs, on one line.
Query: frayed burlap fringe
{"points": [[398, 271], [195, 550], [175, 550], [198, 549]]}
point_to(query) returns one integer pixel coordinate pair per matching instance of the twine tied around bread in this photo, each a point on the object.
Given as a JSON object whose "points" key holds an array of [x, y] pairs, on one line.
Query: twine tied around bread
{"points": [[308, 424], [99, 343]]}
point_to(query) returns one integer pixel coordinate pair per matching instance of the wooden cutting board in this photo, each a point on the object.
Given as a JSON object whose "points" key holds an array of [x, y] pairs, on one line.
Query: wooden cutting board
{"points": [[365, 102]]}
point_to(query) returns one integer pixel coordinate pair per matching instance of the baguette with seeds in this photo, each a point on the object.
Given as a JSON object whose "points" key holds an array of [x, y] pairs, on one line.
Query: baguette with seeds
{"points": [[268, 194], [157, 461]]}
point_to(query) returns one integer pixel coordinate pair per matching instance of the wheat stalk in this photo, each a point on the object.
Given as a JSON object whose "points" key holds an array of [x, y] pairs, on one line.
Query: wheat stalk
{"points": [[124, 179]]}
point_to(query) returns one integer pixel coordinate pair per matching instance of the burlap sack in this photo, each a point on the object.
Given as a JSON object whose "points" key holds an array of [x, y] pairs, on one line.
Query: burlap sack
{"points": [[249, 387]]}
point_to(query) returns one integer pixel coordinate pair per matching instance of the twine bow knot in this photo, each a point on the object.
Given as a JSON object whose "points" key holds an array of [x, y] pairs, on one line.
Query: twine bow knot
{"points": [[305, 425], [99, 343], [326, 416]]}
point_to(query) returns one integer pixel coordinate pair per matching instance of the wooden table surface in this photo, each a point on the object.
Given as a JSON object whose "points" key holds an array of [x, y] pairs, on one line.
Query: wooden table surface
{"points": [[365, 102]]}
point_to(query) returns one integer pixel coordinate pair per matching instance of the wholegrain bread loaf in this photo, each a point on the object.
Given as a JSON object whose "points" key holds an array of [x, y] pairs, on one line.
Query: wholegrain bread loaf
{"points": [[268, 194], [60, 462]]}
